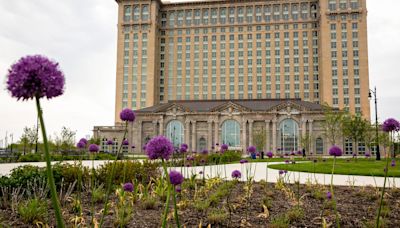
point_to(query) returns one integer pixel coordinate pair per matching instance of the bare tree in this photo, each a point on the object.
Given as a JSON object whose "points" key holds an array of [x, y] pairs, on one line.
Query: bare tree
{"points": [[332, 125], [259, 137], [306, 141]]}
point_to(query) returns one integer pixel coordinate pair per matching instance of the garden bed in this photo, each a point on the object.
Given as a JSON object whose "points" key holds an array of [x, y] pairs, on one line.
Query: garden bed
{"points": [[357, 207]]}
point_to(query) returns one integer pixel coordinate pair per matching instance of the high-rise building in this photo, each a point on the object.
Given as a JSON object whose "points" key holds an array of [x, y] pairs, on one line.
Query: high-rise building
{"points": [[315, 50]]}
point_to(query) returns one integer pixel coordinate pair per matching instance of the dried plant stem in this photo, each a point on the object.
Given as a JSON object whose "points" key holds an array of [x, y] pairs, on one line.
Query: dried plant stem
{"points": [[49, 171]]}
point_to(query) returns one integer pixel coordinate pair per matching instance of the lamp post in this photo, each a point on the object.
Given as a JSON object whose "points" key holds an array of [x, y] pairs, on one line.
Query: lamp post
{"points": [[373, 92]]}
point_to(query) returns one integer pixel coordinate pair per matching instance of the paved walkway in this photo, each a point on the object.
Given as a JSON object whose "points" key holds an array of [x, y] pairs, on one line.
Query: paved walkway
{"points": [[258, 169]]}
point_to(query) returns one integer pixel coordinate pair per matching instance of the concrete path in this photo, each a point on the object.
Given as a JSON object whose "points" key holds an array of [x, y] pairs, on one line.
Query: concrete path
{"points": [[258, 169]]}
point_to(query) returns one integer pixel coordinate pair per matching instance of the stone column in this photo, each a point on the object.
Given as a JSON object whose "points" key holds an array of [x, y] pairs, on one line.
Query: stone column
{"points": [[303, 127], [244, 135], [274, 132], [187, 132], [139, 146], [310, 130], [209, 135], [267, 136], [161, 126], [194, 135], [251, 132], [216, 132], [155, 128]]}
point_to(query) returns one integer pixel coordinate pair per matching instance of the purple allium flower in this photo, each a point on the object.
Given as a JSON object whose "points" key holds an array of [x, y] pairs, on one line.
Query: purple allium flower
{"points": [[189, 158], [390, 124], [83, 140], [125, 142], [224, 147], [127, 115], [299, 152], [35, 76], [251, 149], [292, 153], [270, 154], [393, 163], [133, 146], [243, 161], [128, 187], [159, 147], [144, 147], [110, 142], [175, 177], [93, 148], [217, 144], [183, 149], [236, 174], [354, 155], [367, 154], [285, 171], [178, 188], [329, 195], [205, 151], [201, 172], [335, 151], [202, 161], [184, 145], [281, 172], [80, 145], [286, 161]]}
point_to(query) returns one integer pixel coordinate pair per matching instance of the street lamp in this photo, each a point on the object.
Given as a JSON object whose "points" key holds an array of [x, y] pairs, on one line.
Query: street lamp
{"points": [[373, 92]]}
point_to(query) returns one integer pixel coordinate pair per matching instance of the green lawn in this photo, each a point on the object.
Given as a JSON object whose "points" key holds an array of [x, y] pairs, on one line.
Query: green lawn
{"points": [[365, 167]]}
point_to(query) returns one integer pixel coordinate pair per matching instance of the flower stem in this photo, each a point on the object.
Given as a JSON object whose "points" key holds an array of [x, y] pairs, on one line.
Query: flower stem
{"points": [[176, 210], [383, 190], [50, 178], [333, 195], [111, 177], [92, 185], [164, 222]]}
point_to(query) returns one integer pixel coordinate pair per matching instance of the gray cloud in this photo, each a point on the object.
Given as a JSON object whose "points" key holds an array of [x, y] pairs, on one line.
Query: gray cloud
{"points": [[81, 36]]}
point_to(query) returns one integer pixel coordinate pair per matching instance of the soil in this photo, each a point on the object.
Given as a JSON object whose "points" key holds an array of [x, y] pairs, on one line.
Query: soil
{"points": [[356, 207]]}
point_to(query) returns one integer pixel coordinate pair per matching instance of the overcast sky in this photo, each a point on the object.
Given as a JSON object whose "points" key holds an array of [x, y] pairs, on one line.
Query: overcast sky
{"points": [[81, 36]]}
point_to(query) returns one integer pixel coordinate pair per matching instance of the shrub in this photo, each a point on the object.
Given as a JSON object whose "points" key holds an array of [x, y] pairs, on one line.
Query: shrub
{"points": [[280, 221], [295, 214], [31, 157], [21, 176], [148, 203], [98, 194], [226, 157], [133, 170], [33, 211]]}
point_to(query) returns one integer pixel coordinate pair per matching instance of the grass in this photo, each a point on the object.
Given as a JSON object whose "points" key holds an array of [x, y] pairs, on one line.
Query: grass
{"points": [[364, 167]]}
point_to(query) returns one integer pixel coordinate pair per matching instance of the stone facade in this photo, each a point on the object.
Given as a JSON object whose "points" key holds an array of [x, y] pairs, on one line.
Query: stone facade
{"points": [[203, 124]]}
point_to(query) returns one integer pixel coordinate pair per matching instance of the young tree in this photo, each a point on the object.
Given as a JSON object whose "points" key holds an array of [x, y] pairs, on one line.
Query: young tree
{"points": [[355, 127], [332, 125], [24, 141], [67, 138], [306, 141], [259, 137], [29, 136]]}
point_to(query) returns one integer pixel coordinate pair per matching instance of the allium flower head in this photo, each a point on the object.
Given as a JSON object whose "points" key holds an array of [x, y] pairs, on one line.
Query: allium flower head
{"points": [[217, 144], [205, 151], [390, 124], [202, 161], [286, 161], [83, 140], [184, 145], [335, 151], [93, 148], [127, 115], [110, 142], [236, 174], [125, 142], [201, 172], [133, 146], [243, 161], [35, 76], [281, 172], [393, 163], [299, 152], [159, 147], [175, 177], [224, 147], [270, 154], [367, 154], [329, 195], [251, 149], [128, 187], [80, 145], [292, 153]]}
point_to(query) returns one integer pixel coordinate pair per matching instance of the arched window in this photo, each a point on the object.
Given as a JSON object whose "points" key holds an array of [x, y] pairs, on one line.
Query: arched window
{"points": [[288, 136], [231, 133], [319, 145], [175, 132]]}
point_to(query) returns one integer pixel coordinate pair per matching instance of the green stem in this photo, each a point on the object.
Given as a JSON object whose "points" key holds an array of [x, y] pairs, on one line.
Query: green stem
{"points": [[383, 190], [50, 178], [111, 177], [176, 209], [166, 209], [92, 185], [333, 195]]}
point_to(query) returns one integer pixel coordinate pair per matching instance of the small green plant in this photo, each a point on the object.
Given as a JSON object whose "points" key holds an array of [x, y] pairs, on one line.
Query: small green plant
{"points": [[280, 221], [148, 203], [123, 209], [217, 216], [295, 214], [33, 211], [98, 194]]}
